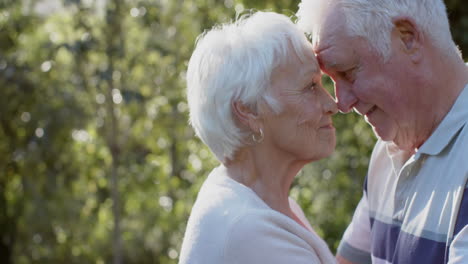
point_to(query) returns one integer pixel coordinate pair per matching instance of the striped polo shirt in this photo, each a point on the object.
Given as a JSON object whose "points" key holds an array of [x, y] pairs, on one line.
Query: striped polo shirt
{"points": [[415, 210]]}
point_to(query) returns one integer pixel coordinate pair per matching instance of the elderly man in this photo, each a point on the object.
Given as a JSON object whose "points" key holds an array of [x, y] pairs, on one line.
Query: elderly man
{"points": [[395, 63]]}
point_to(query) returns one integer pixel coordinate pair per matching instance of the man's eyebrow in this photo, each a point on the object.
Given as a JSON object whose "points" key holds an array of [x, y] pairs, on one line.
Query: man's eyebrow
{"points": [[332, 65], [327, 65], [319, 55], [319, 49]]}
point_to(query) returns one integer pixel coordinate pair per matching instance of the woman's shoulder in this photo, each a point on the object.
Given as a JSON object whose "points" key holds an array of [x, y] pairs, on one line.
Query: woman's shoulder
{"points": [[266, 236], [221, 207], [229, 223], [220, 203], [223, 201]]}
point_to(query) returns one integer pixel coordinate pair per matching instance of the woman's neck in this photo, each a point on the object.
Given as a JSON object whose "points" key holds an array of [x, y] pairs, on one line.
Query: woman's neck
{"points": [[268, 174]]}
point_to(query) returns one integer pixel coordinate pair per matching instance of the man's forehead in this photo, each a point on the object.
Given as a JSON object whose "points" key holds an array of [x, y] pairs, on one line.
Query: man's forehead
{"points": [[330, 32], [324, 50]]}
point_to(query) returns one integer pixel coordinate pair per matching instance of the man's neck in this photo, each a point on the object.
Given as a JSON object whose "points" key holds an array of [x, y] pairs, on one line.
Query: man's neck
{"points": [[444, 82]]}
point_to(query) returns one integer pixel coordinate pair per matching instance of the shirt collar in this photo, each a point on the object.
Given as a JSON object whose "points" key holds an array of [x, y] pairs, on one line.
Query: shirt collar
{"points": [[456, 118]]}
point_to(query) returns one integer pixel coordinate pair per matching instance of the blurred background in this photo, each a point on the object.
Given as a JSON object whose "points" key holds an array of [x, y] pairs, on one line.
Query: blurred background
{"points": [[97, 161]]}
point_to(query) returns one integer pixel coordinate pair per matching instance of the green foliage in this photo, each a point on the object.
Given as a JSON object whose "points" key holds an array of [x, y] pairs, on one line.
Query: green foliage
{"points": [[96, 156]]}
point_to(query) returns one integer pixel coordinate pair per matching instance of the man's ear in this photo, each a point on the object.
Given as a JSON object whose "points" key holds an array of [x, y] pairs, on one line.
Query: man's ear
{"points": [[245, 115], [410, 36]]}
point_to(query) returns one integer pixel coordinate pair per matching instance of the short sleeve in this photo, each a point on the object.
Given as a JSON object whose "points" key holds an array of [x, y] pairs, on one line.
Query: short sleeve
{"points": [[355, 244], [458, 252], [261, 239]]}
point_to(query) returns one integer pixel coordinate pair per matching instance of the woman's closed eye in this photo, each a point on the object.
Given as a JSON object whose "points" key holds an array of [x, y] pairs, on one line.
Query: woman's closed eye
{"points": [[311, 86]]}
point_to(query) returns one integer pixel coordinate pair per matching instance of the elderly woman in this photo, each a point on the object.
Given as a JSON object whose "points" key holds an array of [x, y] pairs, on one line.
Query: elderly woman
{"points": [[256, 100]]}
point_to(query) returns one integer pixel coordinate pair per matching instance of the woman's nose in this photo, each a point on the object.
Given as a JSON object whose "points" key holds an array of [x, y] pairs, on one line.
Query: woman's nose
{"points": [[329, 105]]}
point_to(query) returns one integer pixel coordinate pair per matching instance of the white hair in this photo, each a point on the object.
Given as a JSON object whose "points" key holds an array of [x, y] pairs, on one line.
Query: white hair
{"points": [[234, 62], [372, 19]]}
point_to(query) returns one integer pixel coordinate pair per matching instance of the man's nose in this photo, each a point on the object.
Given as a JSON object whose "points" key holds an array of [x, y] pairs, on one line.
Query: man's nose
{"points": [[345, 97]]}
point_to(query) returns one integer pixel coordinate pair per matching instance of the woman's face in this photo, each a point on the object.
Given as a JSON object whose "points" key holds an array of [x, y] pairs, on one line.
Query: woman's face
{"points": [[304, 128]]}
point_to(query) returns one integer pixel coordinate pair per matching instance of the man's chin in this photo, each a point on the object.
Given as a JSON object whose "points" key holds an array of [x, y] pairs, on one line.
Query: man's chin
{"points": [[405, 146], [391, 136], [383, 135]]}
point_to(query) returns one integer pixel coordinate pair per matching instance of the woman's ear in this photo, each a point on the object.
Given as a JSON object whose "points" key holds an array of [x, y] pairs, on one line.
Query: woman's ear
{"points": [[409, 35], [245, 115]]}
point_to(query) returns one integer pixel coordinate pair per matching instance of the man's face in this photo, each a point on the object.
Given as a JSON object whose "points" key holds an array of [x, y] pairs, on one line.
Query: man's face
{"points": [[378, 90]]}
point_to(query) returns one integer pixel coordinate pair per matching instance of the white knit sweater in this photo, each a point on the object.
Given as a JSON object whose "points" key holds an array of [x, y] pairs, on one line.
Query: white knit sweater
{"points": [[230, 224]]}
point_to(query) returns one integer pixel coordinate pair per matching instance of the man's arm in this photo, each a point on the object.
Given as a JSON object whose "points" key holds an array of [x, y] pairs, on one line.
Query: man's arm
{"points": [[458, 252], [342, 260], [354, 247]]}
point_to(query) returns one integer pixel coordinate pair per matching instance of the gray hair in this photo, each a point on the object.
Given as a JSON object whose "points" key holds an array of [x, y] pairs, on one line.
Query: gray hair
{"points": [[372, 19], [234, 62]]}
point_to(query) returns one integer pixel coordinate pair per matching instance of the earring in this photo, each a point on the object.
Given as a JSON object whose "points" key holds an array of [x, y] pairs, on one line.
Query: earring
{"points": [[259, 138]]}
